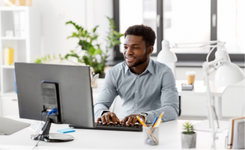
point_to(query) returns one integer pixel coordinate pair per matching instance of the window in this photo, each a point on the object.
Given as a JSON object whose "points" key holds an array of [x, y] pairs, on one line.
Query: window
{"points": [[185, 23], [231, 25], [147, 12], [189, 21]]}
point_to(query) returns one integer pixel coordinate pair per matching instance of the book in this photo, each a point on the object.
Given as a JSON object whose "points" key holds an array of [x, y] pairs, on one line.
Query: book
{"points": [[18, 2], [231, 131], [8, 56], [239, 134], [22, 23], [16, 15], [187, 87]]}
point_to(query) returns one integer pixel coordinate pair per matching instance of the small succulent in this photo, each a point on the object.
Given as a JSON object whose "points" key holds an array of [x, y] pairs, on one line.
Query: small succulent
{"points": [[188, 127]]}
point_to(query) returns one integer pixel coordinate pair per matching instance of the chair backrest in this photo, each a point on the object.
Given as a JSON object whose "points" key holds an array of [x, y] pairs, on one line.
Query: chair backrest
{"points": [[179, 105]]}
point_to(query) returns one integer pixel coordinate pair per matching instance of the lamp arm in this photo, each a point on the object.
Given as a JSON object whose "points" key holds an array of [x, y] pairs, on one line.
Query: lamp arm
{"points": [[208, 42], [222, 44], [211, 111], [210, 52], [213, 65]]}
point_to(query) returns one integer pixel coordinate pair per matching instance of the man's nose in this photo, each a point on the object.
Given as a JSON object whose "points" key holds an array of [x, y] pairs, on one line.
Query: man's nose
{"points": [[129, 51]]}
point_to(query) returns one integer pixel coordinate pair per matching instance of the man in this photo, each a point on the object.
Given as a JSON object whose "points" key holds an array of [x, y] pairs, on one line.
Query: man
{"points": [[146, 87]]}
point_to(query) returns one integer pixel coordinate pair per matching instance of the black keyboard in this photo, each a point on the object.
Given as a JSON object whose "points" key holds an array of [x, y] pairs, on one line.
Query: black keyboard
{"points": [[117, 127]]}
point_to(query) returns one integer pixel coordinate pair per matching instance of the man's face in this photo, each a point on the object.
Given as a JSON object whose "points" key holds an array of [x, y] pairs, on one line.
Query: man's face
{"points": [[135, 51]]}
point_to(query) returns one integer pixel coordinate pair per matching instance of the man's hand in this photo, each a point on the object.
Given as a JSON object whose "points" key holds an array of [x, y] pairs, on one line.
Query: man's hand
{"points": [[131, 120], [107, 118]]}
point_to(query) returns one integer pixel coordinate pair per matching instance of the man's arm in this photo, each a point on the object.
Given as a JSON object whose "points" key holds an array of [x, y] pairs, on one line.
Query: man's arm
{"points": [[106, 96], [169, 100]]}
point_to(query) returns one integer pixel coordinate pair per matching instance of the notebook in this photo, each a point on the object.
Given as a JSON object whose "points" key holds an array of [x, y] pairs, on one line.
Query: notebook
{"points": [[10, 126]]}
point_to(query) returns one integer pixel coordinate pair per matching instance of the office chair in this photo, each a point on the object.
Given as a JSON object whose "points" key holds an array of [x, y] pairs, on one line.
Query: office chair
{"points": [[179, 105]]}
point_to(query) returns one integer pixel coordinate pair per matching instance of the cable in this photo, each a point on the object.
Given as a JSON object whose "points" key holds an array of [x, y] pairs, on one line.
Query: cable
{"points": [[53, 111], [39, 137]]}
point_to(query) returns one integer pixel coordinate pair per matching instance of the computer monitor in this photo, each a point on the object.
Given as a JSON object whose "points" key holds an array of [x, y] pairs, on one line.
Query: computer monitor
{"points": [[55, 93]]}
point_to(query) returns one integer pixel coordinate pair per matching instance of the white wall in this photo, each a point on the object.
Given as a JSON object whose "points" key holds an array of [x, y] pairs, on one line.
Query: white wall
{"points": [[55, 13]]}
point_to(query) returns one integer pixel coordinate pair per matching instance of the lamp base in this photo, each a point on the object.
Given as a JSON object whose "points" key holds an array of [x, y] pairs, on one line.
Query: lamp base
{"points": [[204, 126]]}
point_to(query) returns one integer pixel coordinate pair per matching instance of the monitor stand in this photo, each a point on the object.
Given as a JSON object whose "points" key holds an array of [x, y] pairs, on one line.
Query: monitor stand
{"points": [[51, 137]]}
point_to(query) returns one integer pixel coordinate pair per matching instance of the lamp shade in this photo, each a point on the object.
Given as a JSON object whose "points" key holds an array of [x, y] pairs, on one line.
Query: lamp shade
{"points": [[165, 55], [228, 73]]}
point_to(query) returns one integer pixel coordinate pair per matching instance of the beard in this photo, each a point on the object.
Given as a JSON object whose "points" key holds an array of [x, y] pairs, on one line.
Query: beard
{"points": [[139, 61]]}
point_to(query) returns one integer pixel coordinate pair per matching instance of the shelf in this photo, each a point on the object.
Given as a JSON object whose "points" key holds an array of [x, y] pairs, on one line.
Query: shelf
{"points": [[11, 94], [13, 8], [8, 66], [12, 38], [26, 46]]}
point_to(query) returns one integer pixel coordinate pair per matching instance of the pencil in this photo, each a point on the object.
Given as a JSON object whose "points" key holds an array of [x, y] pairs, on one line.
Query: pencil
{"points": [[146, 128], [141, 121]]}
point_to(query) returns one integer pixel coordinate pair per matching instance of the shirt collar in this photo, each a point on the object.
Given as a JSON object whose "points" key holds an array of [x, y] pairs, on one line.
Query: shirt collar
{"points": [[150, 67]]}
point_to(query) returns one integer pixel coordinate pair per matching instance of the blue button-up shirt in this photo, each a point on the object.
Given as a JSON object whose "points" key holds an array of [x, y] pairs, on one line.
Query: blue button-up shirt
{"points": [[151, 92]]}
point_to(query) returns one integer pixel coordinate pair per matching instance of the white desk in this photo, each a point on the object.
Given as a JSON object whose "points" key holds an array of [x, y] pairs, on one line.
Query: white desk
{"points": [[200, 89], [169, 138]]}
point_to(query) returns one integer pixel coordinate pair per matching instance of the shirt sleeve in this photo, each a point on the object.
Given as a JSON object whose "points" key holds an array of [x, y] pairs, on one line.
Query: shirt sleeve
{"points": [[169, 100], [106, 96]]}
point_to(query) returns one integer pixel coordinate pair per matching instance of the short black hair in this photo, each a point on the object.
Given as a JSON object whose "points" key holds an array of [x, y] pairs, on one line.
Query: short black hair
{"points": [[146, 32]]}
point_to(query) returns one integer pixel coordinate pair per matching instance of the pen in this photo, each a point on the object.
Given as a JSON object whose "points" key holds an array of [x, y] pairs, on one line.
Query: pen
{"points": [[146, 128], [154, 121], [152, 129], [158, 120]]}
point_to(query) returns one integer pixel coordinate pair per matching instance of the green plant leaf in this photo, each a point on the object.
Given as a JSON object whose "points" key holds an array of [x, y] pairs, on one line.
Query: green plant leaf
{"points": [[38, 61], [188, 127], [74, 24], [92, 51], [71, 55], [73, 35], [98, 51], [95, 28]]}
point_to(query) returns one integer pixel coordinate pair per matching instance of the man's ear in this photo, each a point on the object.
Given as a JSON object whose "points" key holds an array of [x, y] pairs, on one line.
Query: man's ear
{"points": [[149, 50]]}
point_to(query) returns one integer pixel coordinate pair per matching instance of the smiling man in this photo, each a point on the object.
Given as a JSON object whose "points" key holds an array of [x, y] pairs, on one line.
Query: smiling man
{"points": [[146, 87]]}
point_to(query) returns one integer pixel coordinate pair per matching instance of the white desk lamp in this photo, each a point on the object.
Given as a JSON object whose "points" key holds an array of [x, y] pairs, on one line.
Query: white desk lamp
{"points": [[166, 56], [225, 73]]}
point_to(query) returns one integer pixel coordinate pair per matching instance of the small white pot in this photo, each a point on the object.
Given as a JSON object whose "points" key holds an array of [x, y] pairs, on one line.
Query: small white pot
{"points": [[188, 140]]}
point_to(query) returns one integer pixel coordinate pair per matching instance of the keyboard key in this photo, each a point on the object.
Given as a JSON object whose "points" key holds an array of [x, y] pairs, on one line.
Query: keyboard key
{"points": [[117, 127]]}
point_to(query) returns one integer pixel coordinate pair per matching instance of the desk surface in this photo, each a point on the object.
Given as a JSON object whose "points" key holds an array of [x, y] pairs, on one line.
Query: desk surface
{"points": [[169, 137]]}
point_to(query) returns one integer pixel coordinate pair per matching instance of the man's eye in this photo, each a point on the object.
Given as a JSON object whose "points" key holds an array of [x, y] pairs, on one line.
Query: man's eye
{"points": [[136, 47]]}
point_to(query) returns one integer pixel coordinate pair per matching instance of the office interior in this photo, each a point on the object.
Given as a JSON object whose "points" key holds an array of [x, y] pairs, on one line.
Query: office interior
{"points": [[178, 21]]}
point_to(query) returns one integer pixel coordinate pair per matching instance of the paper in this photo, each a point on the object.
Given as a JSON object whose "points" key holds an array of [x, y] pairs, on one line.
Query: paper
{"points": [[67, 130]]}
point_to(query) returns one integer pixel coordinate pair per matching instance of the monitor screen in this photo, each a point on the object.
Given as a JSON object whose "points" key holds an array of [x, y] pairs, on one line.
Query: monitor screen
{"points": [[36, 83]]}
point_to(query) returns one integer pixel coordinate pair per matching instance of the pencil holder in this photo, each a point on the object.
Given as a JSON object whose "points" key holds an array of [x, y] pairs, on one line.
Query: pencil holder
{"points": [[151, 135]]}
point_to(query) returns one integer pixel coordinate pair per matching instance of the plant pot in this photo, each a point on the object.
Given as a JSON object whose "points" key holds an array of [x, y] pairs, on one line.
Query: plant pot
{"points": [[188, 140], [102, 75]]}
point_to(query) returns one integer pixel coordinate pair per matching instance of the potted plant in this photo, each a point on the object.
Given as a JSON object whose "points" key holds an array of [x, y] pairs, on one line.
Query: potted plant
{"points": [[92, 50], [188, 137], [113, 37], [94, 56]]}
